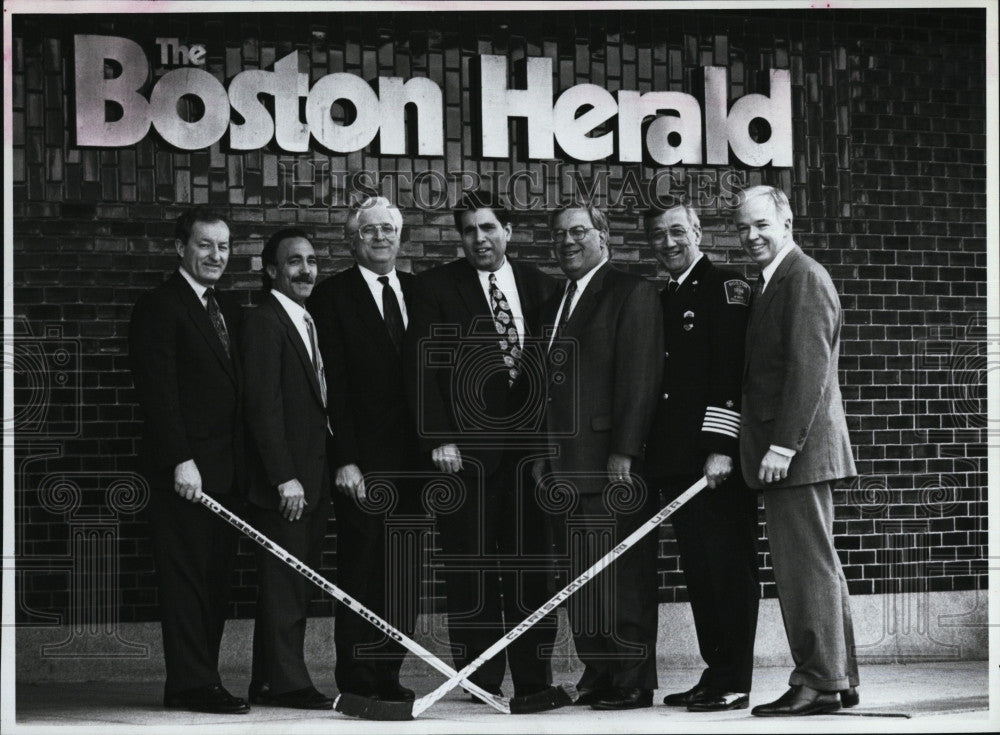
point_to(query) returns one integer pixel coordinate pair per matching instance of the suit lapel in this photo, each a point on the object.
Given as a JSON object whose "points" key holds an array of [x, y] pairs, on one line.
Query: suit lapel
{"points": [[471, 292], [587, 302], [297, 344], [367, 310], [199, 315], [763, 302]]}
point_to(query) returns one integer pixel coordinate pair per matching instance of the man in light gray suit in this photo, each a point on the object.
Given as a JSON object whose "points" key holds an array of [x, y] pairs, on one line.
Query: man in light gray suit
{"points": [[794, 446]]}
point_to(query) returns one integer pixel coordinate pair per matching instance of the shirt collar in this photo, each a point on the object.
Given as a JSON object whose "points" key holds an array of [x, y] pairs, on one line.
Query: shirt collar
{"points": [[199, 288], [371, 277], [504, 271], [683, 276], [768, 270], [582, 281], [294, 310]]}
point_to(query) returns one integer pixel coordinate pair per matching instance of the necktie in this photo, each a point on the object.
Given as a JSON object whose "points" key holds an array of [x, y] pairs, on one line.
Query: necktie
{"points": [[215, 316], [672, 286], [758, 289], [567, 303], [317, 358], [391, 313], [503, 320]]}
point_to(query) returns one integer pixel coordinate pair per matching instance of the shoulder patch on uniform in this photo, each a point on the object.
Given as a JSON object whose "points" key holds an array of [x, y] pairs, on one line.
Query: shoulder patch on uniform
{"points": [[737, 292]]}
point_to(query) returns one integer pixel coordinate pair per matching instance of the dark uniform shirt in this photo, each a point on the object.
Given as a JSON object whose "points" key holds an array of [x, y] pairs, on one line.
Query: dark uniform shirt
{"points": [[698, 413]]}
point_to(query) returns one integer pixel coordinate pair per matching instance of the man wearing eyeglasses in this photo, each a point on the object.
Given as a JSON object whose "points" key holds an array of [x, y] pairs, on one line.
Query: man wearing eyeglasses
{"points": [[478, 404], [696, 432], [361, 316], [608, 324]]}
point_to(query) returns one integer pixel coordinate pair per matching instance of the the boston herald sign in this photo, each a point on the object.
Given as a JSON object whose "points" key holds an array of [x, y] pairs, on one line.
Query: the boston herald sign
{"points": [[581, 119]]}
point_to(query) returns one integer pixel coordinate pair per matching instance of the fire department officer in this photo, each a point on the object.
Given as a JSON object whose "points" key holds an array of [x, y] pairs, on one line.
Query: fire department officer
{"points": [[695, 432]]}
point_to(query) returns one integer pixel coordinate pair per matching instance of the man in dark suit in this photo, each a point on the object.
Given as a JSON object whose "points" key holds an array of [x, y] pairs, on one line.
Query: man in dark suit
{"points": [[289, 484], [361, 315], [608, 324], [477, 407], [182, 343], [696, 432], [794, 446]]}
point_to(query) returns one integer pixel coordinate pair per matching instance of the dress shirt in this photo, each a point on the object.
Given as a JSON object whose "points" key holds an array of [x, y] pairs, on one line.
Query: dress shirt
{"points": [[683, 276], [371, 278], [297, 314], [768, 270], [581, 286], [199, 291], [507, 284]]}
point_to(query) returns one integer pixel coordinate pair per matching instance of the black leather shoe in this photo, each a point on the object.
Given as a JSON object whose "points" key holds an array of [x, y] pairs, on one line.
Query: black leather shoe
{"points": [[849, 697], [683, 699], [716, 701], [589, 696], [798, 701], [256, 690], [212, 698], [306, 698], [618, 698], [393, 691]]}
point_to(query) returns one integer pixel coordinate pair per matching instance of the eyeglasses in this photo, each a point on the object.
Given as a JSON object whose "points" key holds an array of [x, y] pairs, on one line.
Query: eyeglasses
{"points": [[658, 236], [370, 232], [577, 233]]}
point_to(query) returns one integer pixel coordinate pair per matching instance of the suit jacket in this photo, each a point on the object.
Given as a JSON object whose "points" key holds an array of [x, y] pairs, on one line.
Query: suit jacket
{"points": [[605, 403], [286, 420], [188, 388], [459, 385], [698, 410], [367, 406], [791, 393]]}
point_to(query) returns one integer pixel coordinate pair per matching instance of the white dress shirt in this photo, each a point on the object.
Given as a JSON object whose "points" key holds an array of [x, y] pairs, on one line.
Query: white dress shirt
{"points": [[507, 284], [297, 314], [371, 278], [199, 291], [581, 286], [768, 270]]}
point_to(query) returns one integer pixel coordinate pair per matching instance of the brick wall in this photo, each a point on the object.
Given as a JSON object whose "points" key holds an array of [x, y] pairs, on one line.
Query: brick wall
{"points": [[888, 190]]}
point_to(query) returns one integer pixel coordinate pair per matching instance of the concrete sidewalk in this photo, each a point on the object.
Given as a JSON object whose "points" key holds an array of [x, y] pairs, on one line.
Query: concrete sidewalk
{"points": [[922, 697]]}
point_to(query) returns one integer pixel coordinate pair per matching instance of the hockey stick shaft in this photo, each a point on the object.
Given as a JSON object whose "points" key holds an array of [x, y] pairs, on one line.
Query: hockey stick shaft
{"points": [[340, 595], [429, 699]]}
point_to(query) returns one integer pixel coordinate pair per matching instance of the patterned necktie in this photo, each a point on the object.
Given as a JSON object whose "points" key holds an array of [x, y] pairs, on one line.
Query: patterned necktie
{"points": [[317, 358], [215, 316], [391, 314], [503, 320]]}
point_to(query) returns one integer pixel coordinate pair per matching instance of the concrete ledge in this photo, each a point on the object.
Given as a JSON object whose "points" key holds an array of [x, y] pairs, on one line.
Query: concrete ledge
{"points": [[903, 628]]}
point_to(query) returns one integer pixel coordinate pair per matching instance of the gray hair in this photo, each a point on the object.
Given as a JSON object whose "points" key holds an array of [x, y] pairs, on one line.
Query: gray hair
{"points": [[778, 198], [351, 225]]}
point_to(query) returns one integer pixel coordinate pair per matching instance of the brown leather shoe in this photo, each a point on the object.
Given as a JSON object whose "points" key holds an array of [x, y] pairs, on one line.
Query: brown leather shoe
{"points": [[799, 701]]}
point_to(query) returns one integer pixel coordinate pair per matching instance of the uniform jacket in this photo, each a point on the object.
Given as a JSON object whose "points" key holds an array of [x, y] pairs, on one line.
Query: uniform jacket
{"points": [[459, 387], [698, 409], [188, 388], [791, 393], [371, 420], [603, 400], [286, 420]]}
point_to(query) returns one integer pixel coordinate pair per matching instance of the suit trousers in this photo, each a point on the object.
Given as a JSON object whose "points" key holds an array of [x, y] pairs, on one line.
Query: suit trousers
{"points": [[716, 533], [614, 617], [195, 553], [812, 590], [283, 597], [384, 575], [496, 570]]}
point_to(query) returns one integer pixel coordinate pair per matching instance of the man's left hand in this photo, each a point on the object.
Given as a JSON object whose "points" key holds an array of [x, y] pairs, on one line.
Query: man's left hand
{"points": [[718, 468], [774, 467]]}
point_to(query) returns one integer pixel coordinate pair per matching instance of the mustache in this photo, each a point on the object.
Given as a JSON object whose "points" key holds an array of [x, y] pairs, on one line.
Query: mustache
{"points": [[303, 279]]}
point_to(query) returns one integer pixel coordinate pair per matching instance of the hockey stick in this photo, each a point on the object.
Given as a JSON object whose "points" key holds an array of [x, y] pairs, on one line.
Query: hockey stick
{"points": [[498, 703], [408, 710]]}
